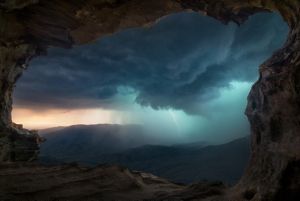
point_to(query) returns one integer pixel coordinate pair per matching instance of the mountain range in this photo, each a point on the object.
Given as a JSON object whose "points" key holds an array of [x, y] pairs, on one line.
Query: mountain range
{"points": [[126, 145]]}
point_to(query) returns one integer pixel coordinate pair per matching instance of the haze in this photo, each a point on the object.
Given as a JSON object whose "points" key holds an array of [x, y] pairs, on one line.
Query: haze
{"points": [[185, 79]]}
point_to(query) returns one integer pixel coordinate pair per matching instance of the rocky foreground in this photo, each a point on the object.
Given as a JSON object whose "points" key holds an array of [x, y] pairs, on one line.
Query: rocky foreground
{"points": [[29, 27], [29, 181]]}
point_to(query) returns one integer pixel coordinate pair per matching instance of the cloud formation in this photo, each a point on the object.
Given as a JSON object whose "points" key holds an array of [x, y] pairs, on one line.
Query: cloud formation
{"points": [[181, 62]]}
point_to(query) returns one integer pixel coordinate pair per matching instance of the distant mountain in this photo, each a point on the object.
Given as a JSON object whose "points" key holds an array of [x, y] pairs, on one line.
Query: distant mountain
{"points": [[89, 142], [125, 145], [50, 130], [188, 164]]}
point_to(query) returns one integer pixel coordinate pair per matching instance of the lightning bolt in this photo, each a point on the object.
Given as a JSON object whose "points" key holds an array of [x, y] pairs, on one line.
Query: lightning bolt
{"points": [[175, 121]]}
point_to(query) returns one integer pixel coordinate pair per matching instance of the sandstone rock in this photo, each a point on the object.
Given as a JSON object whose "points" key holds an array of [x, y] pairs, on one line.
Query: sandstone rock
{"points": [[71, 182], [18, 144], [27, 28]]}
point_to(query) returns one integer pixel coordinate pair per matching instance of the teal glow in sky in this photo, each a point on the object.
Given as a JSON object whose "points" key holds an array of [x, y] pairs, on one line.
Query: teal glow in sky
{"points": [[185, 79], [225, 113]]}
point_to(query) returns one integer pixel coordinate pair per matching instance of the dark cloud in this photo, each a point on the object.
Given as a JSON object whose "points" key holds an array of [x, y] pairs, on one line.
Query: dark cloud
{"points": [[180, 62]]}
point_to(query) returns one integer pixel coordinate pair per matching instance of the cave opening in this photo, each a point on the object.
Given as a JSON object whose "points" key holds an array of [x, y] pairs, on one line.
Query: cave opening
{"points": [[29, 28], [182, 82]]}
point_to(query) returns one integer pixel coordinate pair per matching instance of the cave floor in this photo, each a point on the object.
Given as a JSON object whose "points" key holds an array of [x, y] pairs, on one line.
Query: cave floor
{"points": [[31, 181]]}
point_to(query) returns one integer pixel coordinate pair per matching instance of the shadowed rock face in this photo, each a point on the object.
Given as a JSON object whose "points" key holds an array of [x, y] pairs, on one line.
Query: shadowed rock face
{"points": [[71, 182], [28, 27]]}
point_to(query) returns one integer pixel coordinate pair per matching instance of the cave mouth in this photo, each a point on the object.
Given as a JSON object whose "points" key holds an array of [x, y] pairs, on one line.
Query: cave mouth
{"points": [[30, 27], [178, 78]]}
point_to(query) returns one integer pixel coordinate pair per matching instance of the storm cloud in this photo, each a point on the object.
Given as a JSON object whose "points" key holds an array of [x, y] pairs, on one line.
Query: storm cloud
{"points": [[181, 63]]}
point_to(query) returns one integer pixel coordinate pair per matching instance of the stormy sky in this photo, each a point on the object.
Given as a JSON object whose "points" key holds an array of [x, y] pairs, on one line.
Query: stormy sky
{"points": [[186, 78]]}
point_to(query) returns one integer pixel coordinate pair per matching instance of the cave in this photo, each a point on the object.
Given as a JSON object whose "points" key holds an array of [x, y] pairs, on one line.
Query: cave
{"points": [[29, 27]]}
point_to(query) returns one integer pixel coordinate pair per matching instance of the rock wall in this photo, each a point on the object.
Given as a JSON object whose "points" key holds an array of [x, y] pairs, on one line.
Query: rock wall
{"points": [[273, 112], [15, 143], [28, 27]]}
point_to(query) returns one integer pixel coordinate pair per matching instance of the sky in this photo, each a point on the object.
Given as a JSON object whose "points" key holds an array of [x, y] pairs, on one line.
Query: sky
{"points": [[184, 79]]}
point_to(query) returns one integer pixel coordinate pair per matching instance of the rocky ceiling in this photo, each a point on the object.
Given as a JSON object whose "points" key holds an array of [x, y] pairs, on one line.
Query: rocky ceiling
{"points": [[29, 27]]}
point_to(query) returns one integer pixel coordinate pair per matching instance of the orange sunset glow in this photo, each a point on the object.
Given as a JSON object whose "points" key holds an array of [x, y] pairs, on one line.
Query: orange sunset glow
{"points": [[40, 119]]}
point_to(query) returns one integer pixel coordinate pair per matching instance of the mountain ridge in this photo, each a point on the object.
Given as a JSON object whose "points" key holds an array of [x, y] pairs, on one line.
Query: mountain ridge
{"points": [[183, 163]]}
